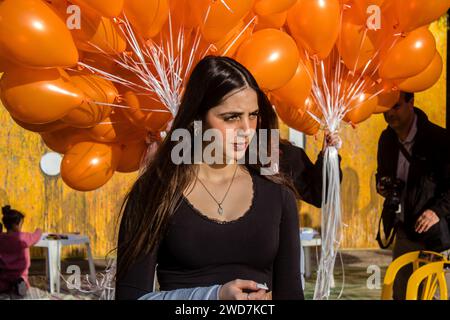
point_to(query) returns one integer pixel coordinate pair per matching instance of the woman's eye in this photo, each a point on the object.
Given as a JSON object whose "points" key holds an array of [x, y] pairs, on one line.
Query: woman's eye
{"points": [[251, 116], [232, 118]]}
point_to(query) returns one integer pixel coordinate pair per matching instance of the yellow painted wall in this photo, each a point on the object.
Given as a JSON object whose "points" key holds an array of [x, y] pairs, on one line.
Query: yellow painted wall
{"points": [[47, 202], [361, 203], [54, 207]]}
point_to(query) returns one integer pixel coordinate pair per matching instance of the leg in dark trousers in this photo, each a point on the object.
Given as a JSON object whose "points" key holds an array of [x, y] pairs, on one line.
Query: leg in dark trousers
{"points": [[403, 245]]}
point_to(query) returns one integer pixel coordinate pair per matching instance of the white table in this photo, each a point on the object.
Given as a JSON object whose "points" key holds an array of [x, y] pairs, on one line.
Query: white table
{"points": [[53, 259], [305, 266], [306, 252]]}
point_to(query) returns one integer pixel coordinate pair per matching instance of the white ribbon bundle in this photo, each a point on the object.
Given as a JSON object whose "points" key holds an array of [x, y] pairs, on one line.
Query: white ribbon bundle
{"points": [[331, 223]]}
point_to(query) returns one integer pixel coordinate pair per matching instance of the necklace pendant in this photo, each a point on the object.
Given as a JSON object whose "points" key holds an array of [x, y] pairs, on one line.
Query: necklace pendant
{"points": [[220, 210]]}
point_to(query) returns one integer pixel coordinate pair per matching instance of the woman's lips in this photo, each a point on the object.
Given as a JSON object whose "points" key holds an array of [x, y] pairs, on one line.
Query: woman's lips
{"points": [[240, 146]]}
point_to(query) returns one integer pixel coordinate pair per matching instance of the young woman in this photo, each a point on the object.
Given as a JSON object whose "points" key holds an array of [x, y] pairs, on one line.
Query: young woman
{"points": [[214, 230], [15, 252]]}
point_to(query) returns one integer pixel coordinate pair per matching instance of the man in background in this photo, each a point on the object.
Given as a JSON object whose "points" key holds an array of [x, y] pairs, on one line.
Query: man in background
{"points": [[414, 177]]}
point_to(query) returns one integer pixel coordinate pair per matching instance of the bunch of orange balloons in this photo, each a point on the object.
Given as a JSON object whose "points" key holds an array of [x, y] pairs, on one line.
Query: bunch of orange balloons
{"points": [[102, 127], [384, 45]]}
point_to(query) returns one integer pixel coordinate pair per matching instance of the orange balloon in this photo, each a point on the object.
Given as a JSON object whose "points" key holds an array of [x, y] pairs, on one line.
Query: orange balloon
{"points": [[147, 16], [129, 76], [355, 45], [387, 85], [315, 25], [96, 89], [358, 10], [181, 14], [385, 38], [44, 127], [424, 80], [89, 165], [99, 35], [229, 45], [361, 107], [98, 61], [57, 3], [116, 129], [276, 21], [310, 125], [133, 155], [146, 111], [33, 35], [271, 56], [270, 7], [412, 14], [4, 65], [217, 18], [62, 140], [39, 95], [295, 92], [298, 118], [409, 56], [4, 62], [386, 100], [107, 8]]}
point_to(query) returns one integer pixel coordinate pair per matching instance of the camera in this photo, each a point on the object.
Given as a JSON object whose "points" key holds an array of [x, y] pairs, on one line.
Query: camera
{"points": [[391, 189]]}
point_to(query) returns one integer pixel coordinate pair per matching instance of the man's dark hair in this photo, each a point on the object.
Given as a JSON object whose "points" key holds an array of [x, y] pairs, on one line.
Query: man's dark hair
{"points": [[408, 96]]}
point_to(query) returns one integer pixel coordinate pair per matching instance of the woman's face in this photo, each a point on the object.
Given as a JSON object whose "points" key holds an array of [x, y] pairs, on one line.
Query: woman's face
{"points": [[236, 119]]}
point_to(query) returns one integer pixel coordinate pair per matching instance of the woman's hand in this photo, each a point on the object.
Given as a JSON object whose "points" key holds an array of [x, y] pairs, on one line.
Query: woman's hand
{"points": [[268, 296], [233, 290]]}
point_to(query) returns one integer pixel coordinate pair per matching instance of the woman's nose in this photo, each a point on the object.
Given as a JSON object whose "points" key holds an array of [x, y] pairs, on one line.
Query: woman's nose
{"points": [[245, 128]]}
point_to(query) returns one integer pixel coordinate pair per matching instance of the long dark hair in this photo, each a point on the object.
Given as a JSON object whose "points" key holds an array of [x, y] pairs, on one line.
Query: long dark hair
{"points": [[158, 190], [11, 217]]}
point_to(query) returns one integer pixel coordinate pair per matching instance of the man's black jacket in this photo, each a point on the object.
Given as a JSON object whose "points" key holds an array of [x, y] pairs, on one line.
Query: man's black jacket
{"points": [[428, 185]]}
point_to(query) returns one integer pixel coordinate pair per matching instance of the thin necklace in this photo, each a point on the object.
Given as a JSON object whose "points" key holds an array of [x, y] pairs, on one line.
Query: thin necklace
{"points": [[219, 204]]}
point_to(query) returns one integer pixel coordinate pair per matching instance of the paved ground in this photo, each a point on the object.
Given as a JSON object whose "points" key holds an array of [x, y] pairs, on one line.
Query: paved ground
{"points": [[362, 277], [88, 291], [357, 263]]}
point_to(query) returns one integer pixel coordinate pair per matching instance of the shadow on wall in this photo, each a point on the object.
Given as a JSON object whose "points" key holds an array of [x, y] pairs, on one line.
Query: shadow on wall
{"points": [[361, 222], [4, 200], [361, 228], [304, 217]]}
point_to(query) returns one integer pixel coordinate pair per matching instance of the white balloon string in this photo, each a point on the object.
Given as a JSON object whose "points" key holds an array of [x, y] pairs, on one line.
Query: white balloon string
{"points": [[105, 285], [239, 35], [363, 38], [159, 68], [127, 107], [226, 5]]}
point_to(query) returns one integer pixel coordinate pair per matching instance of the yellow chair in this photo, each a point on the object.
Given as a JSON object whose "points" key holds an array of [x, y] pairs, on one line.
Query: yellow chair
{"points": [[416, 258], [432, 276]]}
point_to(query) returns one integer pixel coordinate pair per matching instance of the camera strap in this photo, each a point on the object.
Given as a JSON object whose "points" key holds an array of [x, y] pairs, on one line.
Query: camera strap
{"points": [[389, 238], [405, 152]]}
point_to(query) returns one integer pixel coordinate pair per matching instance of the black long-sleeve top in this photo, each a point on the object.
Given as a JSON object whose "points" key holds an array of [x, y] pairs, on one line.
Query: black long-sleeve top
{"points": [[306, 176], [263, 245]]}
